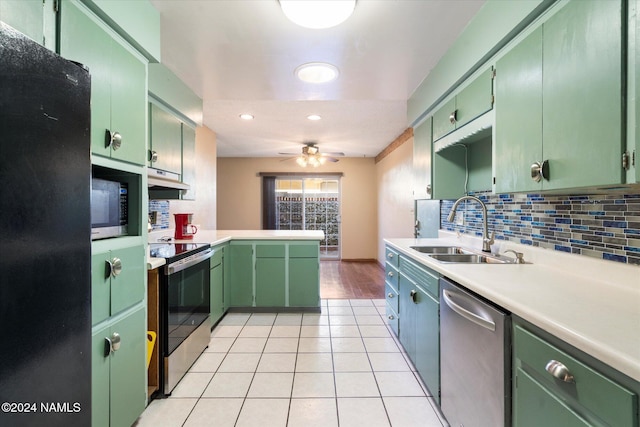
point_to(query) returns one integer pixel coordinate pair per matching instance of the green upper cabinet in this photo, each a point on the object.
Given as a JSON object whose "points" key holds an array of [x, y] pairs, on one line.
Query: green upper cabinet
{"points": [[165, 140], [472, 101], [633, 123], [582, 93], [118, 83], [518, 128], [560, 104], [422, 160], [35, 19], [189, 161]]}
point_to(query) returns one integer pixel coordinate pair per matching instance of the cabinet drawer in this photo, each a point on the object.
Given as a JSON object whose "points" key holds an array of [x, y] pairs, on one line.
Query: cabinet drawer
{"points": [[392, 318], [270, 251], [391, 256], [426, 279], [590, 391], [303, 251], [391, 295], [391, 275]]}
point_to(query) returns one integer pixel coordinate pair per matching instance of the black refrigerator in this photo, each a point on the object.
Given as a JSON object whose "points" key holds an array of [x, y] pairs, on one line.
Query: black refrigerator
{"points": [[45, 236]]}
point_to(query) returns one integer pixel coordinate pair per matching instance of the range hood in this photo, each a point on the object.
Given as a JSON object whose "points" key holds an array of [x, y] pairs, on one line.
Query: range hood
{"points": [[164, 179]]}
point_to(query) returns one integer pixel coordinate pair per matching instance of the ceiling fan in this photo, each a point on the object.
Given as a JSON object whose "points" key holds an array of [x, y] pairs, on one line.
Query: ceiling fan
{"points": [[311, 156]]}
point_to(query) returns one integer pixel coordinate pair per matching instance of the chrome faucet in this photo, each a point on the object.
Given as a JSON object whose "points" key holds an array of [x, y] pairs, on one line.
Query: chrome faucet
{"points": [[486, 240]]}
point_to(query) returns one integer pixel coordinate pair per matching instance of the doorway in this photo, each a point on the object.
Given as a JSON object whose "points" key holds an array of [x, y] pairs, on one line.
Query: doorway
{"points": [[310, 203]]}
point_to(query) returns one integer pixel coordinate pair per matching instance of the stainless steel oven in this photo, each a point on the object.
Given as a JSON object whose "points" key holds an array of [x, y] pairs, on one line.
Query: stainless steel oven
{"points": [[184, 308]]}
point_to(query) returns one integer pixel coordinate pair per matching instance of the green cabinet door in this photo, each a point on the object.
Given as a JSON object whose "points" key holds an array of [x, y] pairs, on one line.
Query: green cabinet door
{"points": [[117, 281], [100, 287], [128, 370], [118, 83], [217, 293], [100, 372], [189, 161], [166, 140], [582, 93], [304, 282], [118, 394], [518, 129], [422, 160], [475, 99], [427, 347], [25, 16], [541, 408], [270, 282], [241, 274], [127, 287], [407, 314], [442, 123]]}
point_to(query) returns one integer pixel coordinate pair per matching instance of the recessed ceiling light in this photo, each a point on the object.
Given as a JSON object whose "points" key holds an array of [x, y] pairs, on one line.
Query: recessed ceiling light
{"points": [[317, 72], [317, 13], [314, 117], [246, 116]]}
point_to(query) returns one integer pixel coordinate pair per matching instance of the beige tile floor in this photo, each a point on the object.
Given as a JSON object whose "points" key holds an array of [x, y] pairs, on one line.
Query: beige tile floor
{"points": [[341, 367]]}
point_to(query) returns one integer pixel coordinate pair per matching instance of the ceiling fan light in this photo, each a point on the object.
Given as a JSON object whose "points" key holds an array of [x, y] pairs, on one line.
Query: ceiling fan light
{"points": [[318, 14], [322, 160], [317, 72], [301, 161]]}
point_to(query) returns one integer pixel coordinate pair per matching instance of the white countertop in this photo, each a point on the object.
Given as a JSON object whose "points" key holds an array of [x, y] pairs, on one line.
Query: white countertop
{"points": [[591, 304], [216, 237]]}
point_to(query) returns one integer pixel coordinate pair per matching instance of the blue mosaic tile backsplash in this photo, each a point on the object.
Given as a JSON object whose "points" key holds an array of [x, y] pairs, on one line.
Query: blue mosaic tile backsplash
{"points": [[161, 207], [605, 226]]}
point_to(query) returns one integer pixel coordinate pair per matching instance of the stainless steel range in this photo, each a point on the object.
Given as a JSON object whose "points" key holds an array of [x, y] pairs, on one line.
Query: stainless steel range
{"points": [[184, 308]]}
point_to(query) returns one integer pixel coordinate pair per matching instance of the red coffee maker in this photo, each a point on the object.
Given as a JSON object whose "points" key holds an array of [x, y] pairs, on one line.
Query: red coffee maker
{"points": [[184, 228]]}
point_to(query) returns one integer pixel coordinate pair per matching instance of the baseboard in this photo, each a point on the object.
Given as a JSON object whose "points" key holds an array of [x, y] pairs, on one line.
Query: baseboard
{"points": [[359, 260]]}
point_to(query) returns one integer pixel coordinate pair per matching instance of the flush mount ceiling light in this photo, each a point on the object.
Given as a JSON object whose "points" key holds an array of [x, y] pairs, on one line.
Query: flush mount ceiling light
{"points": [[246, 116], [317, 14], [317, 72], [314, 117]]}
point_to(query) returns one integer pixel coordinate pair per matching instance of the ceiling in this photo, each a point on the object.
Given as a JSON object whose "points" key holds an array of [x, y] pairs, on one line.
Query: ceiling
{"points": [[239, 56]]}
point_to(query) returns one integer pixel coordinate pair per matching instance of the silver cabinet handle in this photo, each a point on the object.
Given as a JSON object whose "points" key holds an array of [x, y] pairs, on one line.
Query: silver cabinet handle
{"points": [[115, 140], [153, 156], [540, 171], [453, 117], [559, 371], [413, 294], [391, 317], [112, 343], [390, 274], [390, 295], [429, 189], [115, 266], [390, 255]]}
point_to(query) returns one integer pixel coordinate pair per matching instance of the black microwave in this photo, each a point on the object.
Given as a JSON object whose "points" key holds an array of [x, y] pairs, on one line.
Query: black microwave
{"points": [[109, 209]]}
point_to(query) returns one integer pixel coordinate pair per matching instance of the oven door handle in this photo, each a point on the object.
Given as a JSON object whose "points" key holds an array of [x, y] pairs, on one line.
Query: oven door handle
{"points": [[183, 264]]}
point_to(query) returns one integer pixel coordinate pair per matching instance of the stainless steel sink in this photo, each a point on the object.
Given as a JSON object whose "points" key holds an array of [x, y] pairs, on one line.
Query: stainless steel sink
{"points": [[440, 249], [469, 258]]}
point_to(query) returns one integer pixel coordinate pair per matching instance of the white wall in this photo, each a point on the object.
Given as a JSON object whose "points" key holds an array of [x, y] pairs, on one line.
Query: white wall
{"points": [[240, 198]]}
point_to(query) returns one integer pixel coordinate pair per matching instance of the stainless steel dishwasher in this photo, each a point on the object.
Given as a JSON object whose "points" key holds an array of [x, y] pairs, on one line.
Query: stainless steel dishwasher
{"points": [[475, 358]]}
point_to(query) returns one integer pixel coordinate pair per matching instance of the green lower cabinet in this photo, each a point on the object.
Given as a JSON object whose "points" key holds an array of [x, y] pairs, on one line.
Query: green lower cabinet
{"points": [[117, 281], [119, 373], [589, 397], [217, 287], [241, 274], [427, 356], [304, 282], [270, 282]]}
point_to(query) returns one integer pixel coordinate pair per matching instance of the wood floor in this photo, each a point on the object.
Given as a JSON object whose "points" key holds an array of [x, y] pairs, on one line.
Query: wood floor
{"points": [[344, 279]]}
